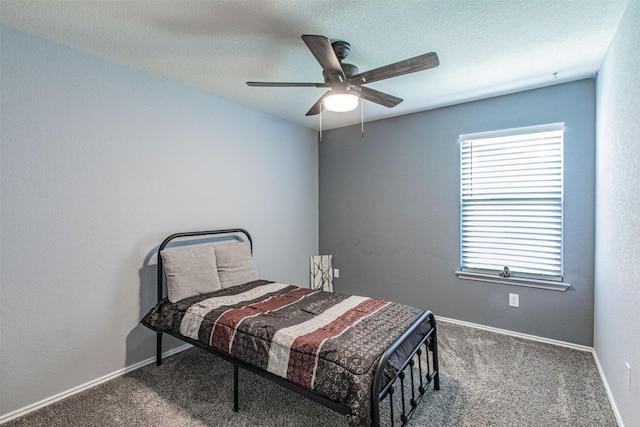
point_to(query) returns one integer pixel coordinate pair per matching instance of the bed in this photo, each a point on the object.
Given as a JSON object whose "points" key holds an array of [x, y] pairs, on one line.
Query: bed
{"points": [[349, 353]]}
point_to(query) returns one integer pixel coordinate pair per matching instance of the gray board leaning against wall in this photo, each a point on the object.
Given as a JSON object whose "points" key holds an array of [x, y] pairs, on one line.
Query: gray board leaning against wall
{"points": [[389, 211]]}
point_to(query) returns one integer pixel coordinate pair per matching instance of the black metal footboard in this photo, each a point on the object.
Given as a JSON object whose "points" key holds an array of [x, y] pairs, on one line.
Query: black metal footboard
{"points": [[428, 344]]}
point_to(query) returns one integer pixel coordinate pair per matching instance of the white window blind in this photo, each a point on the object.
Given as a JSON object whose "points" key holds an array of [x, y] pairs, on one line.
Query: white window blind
{"points": [[511, 202]]}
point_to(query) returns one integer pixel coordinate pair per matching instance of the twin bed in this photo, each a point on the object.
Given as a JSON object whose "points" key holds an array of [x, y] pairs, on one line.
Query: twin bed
{"points": [[346, 352]]}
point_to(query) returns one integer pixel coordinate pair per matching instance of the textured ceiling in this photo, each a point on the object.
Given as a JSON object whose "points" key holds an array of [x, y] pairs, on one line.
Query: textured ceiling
{"points": [[486, 47]]}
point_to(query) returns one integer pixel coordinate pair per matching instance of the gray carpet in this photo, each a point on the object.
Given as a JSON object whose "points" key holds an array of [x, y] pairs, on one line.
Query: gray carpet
{"points": [[487, 379]]}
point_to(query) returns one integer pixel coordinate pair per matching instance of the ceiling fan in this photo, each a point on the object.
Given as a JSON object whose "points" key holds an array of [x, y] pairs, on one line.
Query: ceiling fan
{"points": [[345, 82]]}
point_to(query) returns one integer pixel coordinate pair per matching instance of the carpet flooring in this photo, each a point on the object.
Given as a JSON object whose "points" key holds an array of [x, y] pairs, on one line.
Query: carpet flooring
{"points": [[486, 379]]}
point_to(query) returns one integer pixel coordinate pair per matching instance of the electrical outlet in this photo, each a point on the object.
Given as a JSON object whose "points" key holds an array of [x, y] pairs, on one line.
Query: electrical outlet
{"points": [[514, 300], [336, 273], [628, 376]]}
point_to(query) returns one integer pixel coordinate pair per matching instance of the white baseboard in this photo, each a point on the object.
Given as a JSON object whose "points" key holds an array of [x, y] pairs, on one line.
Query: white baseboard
{"points": [[614, 407], [517, 334], [547, 341], [49, 400]]}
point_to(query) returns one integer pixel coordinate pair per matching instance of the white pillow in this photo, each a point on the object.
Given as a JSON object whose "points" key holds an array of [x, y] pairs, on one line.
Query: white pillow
{"points": [[190, 270], [235, 264]]}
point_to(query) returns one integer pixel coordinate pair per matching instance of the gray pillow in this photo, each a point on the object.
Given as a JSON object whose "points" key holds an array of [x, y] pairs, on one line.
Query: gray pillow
{"points": [[235, 264], [190, 270]]}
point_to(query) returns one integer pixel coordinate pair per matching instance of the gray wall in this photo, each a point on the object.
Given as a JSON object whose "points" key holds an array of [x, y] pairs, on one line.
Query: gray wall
{"points": [[98, 164], [389, 211], [617, 270]]}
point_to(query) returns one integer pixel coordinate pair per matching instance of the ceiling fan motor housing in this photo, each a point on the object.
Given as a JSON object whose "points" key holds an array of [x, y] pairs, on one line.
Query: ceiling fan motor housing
{"points": [[349, 71], [342, 49]]}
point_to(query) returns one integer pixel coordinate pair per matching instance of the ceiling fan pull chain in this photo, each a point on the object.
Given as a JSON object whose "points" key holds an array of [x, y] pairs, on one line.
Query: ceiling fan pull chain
{"points": [[362, 118], [320, 124]]}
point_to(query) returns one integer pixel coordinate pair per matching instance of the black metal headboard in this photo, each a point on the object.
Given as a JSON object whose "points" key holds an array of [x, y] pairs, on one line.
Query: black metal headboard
{"points": [[166, 241]]}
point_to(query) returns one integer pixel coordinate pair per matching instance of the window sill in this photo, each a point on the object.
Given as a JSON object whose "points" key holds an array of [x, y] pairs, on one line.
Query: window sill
{"points": [[515, 281]]}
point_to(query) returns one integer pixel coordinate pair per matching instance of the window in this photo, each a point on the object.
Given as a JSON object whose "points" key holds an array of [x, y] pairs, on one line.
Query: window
{"points": [[511, 189]]}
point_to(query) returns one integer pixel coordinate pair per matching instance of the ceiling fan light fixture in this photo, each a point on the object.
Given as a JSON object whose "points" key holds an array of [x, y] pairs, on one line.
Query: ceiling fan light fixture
{"points": [[341, 102]]}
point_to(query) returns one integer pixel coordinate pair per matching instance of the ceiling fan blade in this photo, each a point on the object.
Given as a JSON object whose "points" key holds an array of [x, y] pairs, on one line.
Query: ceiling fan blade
{"points": [[411, 65], [379, 97], [322, 50], [285, 84], [317, 107]]}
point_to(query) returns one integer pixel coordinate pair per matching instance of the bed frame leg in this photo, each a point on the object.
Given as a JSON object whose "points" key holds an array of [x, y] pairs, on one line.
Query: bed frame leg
{"points": [[434, 353], [235, 388], [158, 348]]}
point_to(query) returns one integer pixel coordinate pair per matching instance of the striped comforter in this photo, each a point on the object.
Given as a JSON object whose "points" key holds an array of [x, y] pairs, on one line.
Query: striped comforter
{"points": [[327, 342]]}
